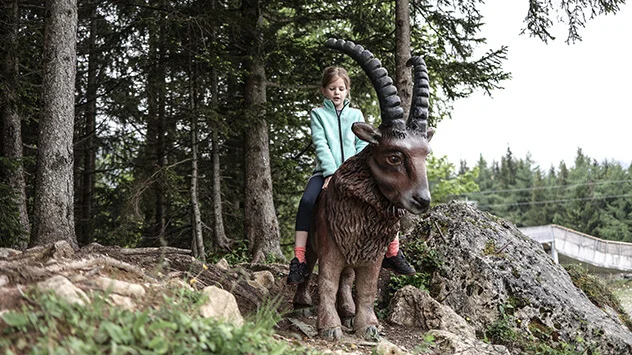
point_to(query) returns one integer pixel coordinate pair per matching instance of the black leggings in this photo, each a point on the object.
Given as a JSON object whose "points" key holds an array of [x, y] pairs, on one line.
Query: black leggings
{"points": [[314, 186]]}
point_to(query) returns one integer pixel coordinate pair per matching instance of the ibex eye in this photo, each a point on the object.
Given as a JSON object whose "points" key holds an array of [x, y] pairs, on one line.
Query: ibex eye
{"points": [[395, 159]]}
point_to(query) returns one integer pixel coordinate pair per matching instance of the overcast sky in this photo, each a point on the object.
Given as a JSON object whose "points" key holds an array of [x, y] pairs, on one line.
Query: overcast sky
{"points": [[560, 97]]}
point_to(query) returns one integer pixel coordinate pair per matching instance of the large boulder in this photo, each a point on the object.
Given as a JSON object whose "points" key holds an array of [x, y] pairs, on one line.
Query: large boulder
{"points": [[491, 274]]}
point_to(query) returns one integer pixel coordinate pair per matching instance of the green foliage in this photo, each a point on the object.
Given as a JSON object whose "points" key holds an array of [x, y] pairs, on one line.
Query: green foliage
{"points": [[443, 181], [239, 254], [425, 260], [503, 330], [589, 197], [47, 324], [426, 344]]}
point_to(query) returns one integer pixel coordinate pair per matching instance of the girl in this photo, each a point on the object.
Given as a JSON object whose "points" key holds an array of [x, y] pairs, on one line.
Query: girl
{"points": [[334, 143]]}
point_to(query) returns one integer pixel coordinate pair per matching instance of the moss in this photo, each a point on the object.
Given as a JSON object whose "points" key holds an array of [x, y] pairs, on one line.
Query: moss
{"points": [[490, 247], [597, 291]]}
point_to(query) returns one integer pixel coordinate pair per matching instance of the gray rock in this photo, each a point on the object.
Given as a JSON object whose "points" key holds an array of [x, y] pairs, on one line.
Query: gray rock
{"points": [[412, 307], [6, 253], [64, 289], [122, 288], [223, 264], [489, 268], [221, 305], [264, 278], [4, 280], [449, 343]]}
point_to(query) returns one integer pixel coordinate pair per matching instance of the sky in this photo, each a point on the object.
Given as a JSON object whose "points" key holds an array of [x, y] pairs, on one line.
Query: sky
{"points": [[561, 96]]}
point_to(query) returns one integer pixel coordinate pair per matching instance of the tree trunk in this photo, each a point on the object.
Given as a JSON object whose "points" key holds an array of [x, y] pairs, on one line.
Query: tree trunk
{"points": [[156, 128], [85, 224], [196, 218], [261, 224], [403, 76], [54, 215], [11, 135], [220, 241]]}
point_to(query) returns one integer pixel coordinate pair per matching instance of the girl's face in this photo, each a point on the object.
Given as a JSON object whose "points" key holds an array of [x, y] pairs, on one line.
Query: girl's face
{"points": [[336, 91]]}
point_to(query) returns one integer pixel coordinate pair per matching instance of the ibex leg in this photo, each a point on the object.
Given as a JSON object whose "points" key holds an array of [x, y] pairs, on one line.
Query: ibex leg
{"points": [[329, 270], [366, 290], [346, 305]]}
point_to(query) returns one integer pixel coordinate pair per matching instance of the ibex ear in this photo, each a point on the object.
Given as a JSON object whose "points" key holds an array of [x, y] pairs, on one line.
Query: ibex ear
{"points": [[430, 133], [366, 132]]}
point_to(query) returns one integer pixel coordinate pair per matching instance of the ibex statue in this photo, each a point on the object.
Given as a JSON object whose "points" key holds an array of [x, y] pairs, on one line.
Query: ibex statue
{"points": [[358, 214]]}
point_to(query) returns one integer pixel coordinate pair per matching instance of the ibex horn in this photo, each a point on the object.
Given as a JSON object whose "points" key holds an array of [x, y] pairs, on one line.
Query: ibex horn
{"points": [[390, 103], [418, 116]]}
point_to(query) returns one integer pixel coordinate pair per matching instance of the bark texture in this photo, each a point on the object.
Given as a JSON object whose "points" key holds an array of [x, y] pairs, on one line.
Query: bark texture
{"points": [[196, 217], [403, 77], [85, 224], [54, 216], [261, 224], [220, 241], [10, 119]]}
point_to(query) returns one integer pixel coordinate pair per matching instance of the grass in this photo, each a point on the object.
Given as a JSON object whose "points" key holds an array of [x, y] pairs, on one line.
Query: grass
{"points": [[169, 325], [597, 291]]}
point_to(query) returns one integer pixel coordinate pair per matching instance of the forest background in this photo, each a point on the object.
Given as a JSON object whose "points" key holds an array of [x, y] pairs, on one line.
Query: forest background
{"points": [[190, 119]]}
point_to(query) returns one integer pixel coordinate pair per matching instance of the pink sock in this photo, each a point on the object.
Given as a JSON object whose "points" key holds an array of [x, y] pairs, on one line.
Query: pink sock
{"points": [[299, 252], [393, 248]]}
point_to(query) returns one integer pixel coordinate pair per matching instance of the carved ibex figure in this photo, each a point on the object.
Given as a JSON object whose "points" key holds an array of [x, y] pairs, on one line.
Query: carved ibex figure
{"points": [[358, 215]]}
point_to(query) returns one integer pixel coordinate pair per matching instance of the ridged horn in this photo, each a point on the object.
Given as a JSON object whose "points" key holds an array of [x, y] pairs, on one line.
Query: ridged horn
{"points": [[418, 116], [390, 103]]}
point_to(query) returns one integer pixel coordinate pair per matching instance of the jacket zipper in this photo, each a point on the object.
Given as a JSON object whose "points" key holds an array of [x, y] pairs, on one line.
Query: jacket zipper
{"points": [[342, 148]]}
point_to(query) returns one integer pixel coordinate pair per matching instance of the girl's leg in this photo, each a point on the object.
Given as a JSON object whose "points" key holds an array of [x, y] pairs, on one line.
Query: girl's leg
{"points": [[300, 244], [396, 261], [298, 265]]}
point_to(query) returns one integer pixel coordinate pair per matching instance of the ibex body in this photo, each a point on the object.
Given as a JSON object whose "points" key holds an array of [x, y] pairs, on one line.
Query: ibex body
{"points": [[358, 215]]}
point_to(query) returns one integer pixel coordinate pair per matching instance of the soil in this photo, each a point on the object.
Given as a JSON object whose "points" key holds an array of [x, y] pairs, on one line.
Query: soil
{"points": [[159, 266]]}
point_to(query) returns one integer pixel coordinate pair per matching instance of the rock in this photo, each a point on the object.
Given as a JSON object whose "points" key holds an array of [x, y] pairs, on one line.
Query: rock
{"points": [[6, 253], [387, 348], [62, 249], [116, 286], [256, 285], [446, 342], [122, 301], [223, 264], [4, 280], [489, 270], [221, 305], [412, 307], [64, 289], [264, 278], [307, 329]]}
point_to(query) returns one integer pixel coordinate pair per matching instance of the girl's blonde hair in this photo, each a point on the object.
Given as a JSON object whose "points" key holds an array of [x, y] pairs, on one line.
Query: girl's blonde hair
{"points": [[331, 73]]}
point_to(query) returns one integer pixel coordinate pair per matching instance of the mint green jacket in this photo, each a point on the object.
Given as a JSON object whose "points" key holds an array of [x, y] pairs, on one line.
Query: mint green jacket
{"points": [[328, 130]]}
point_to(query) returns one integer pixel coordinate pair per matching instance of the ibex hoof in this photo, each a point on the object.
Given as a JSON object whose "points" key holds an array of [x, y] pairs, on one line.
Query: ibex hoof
{"points": [[348, 322], [331, 333], [371, 333]]}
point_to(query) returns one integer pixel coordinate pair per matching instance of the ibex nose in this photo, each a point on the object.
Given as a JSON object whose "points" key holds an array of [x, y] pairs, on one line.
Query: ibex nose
{"points": [[422, 200]]}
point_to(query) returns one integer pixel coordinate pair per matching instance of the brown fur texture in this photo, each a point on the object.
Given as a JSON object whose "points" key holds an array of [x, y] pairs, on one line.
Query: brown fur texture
{"points": [[361, 221]]}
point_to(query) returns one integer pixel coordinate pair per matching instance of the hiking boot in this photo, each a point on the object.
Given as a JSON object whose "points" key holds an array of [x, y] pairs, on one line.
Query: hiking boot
{"points": [[298, 272], [398, 264]]}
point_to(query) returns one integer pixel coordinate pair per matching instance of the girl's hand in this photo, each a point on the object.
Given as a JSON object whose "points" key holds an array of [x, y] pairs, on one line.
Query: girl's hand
{"points": [[326, 182]]}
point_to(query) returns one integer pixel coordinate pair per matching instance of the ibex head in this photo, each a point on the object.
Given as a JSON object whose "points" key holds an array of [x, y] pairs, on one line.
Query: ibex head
{"points": [[398, 148]]}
